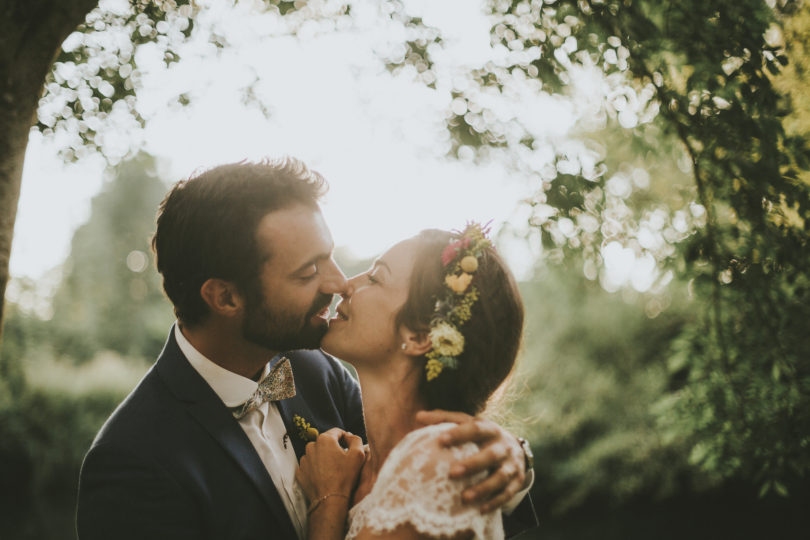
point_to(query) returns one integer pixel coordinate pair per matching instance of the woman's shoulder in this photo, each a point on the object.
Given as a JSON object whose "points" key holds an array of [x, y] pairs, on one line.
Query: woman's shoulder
{"points": [[427, 434], [414, 487], [430, 433], [422, 451]]}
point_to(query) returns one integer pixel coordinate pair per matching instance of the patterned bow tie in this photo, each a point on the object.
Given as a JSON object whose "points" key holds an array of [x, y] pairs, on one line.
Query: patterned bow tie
{"points": [[276, 385]]}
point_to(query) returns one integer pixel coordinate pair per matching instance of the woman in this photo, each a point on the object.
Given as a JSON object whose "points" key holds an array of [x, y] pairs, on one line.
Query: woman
{"points": [[435, 323]]}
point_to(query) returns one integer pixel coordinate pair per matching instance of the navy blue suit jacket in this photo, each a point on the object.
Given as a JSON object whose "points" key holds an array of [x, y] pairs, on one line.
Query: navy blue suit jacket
{"points": [[172, 462]]}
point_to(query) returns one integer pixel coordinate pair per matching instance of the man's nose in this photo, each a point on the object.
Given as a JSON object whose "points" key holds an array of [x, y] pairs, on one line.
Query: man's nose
{"points": [[353, 283], [334, 281]]}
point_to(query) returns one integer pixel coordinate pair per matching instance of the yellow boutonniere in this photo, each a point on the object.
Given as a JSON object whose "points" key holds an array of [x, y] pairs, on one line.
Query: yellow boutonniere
{"points": [[305, 430]]}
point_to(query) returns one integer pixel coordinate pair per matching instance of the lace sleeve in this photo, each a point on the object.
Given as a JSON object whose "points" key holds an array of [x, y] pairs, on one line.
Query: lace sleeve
{"points": [[414, 487]]}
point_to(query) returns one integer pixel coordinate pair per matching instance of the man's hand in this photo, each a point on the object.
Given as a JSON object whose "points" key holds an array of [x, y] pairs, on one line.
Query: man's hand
{"points": [[500, 454]]}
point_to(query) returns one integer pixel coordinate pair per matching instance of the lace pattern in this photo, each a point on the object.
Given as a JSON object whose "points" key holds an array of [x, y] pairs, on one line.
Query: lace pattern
{"points": [[414, 487]]}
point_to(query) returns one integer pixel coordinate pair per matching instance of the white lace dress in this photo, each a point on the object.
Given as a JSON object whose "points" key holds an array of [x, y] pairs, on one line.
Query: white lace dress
{"points": [[414, 487]]}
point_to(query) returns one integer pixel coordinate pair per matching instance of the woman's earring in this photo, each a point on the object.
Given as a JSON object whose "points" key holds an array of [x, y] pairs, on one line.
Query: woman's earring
{"points": [[404, 346]]}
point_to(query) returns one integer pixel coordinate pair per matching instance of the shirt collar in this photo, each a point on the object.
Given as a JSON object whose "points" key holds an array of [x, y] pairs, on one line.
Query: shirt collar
{"points": [[232, 388]]}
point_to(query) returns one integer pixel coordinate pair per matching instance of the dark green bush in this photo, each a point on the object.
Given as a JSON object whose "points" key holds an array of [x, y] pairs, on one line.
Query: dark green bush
{"points": [[43, 438]]}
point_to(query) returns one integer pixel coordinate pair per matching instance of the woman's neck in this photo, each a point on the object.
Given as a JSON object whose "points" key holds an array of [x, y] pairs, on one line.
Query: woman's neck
{"points": [[390, 403]]}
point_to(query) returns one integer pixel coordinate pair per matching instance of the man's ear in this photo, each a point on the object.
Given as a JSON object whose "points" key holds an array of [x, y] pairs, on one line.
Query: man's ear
{"points": [[414, 343], [222, 297]]}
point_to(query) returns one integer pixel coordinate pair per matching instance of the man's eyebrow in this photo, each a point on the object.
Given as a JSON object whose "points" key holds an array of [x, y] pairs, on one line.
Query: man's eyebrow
{"points": [[317, 258]]}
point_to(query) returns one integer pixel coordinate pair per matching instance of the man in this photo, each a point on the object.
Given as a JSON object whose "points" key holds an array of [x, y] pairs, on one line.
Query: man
{"points": [[200, 449]]}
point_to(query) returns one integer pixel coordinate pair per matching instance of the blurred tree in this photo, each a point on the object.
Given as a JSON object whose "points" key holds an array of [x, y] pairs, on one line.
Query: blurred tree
{"points": [[596, 365], [793, 80], [697, 76], [22, 331], [30, 35], [110, 296]]}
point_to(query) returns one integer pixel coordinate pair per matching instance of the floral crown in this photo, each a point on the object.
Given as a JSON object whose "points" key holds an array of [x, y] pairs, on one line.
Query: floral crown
{"points": [[454, 304]]}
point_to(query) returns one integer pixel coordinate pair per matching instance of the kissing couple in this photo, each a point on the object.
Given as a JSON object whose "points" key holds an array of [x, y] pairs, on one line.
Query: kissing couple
{"points": [[245, 429]]}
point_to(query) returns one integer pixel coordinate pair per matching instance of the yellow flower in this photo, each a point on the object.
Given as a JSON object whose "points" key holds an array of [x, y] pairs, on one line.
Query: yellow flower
{"points": [[458, 284], [433, 368], [469, 264], [446, 340], [305, 430]]}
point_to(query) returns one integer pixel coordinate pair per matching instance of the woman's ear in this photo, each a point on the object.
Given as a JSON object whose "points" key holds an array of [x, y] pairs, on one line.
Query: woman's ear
{"points": [[222, 297], [414, 343]]}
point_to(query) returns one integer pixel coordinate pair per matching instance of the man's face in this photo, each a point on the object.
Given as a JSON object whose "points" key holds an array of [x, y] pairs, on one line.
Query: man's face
{"points": [[289, 307]]}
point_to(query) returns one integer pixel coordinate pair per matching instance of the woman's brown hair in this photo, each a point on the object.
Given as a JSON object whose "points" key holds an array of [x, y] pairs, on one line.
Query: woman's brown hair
{"points": [[492, 335]]}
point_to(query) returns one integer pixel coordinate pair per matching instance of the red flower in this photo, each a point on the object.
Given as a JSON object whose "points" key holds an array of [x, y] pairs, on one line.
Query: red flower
{"points": [[452, 250], [448, 254]]}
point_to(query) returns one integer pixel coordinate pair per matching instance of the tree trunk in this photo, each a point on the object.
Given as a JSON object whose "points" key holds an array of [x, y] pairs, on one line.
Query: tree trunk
{"points": [[31, 32]]}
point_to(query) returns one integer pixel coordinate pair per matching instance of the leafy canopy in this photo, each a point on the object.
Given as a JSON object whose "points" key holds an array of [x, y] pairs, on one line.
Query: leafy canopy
{"points": [[698, 84]]}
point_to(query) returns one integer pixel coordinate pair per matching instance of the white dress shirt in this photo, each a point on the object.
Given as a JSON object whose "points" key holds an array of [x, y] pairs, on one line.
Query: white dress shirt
{"points": [[263, 426]]}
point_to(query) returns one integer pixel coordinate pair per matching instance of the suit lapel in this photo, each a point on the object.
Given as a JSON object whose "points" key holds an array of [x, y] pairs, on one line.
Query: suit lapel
{"points": [[292, 407], [209, 411], [289, 408]]}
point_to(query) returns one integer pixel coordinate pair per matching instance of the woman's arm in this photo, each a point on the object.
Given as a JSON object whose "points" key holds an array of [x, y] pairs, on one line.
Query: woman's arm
{"points": [[328, 520]]}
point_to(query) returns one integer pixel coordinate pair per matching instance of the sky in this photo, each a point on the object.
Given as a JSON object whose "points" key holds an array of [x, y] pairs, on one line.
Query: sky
{"points": [[377, 138]]}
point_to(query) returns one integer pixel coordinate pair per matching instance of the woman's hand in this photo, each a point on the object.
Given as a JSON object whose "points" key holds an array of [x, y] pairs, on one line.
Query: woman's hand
{"points": [[500, 453], [329, 468], [328, 473]]}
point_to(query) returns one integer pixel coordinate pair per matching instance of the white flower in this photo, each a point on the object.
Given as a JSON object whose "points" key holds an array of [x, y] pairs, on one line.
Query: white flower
{"points": [[446, 339]]}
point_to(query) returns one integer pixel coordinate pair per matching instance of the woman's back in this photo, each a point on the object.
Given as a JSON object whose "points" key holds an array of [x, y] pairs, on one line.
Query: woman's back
{"points": [[414, 488]]}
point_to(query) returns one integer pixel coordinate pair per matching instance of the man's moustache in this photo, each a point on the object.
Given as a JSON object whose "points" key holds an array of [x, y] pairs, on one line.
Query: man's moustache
{"points": [[326, 300]]}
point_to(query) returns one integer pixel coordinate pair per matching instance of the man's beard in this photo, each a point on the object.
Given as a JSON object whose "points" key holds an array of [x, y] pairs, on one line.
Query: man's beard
{"points": [[283, 330]]}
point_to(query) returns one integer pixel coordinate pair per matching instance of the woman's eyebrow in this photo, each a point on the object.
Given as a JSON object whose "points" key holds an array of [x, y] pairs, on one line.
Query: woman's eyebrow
{"points": [[380, 262]]}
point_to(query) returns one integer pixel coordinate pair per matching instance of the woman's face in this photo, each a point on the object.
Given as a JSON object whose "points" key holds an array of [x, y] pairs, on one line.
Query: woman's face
{"points": [[364, 329]]}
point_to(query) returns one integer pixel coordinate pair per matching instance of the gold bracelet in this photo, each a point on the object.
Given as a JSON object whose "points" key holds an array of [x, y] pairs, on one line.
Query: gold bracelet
{"points": [[319, 500]]}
